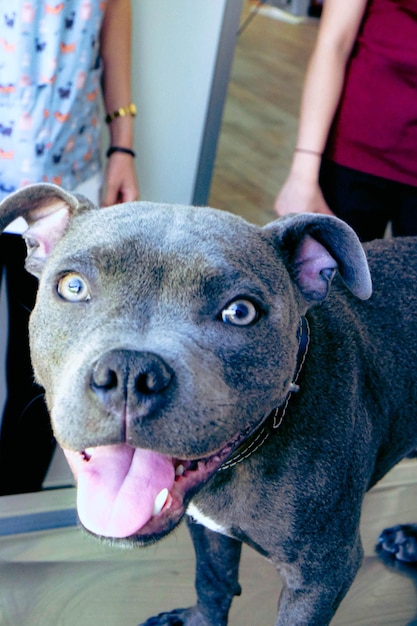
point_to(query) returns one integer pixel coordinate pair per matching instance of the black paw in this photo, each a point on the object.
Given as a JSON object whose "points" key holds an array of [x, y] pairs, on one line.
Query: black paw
{"points": [[179, 617], [400, 542]]}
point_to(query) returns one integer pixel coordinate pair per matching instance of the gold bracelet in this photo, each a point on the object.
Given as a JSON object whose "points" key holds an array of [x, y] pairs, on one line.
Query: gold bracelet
{"points": [[122, 112]]}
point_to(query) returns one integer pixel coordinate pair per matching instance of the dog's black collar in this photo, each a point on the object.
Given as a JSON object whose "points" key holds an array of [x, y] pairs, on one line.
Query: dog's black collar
{"points": [[274, 419]]}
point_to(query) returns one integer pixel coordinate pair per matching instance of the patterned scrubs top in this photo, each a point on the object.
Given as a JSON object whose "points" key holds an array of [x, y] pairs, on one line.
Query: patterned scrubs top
{"points": [[50, 107]]}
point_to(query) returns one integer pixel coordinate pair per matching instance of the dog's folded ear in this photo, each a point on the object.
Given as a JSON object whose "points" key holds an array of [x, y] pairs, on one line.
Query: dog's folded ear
{"points": [[47, 209], [314, 247]]}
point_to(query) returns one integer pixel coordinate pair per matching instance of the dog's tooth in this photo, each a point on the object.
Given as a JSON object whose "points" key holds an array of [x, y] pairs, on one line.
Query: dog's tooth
{"points": [[86, 454], [160, 500], [180, 470]]}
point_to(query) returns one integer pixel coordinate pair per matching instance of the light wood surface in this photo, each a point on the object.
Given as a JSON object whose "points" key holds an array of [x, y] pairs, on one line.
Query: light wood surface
{"points": [[64, 578], [261, 116]]}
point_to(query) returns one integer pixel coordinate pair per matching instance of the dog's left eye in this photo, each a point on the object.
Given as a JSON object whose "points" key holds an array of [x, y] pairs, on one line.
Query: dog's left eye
{"points": [[240, 313], [73, 288]]}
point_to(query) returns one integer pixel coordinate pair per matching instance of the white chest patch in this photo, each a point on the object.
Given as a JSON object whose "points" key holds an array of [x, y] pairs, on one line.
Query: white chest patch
{"points": [[209, 523]]}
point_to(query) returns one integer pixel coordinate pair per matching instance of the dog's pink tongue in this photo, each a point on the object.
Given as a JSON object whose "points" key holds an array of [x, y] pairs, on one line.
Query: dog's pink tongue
{"points": [[118, 486]]}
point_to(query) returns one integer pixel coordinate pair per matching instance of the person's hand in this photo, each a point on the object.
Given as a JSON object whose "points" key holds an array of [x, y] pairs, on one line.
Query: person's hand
{"points": [[120, 182], [297, 196]]}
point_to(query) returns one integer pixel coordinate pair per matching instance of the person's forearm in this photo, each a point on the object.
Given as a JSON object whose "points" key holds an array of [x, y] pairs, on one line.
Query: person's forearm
{"points": [[120, 181], [116, 55], [322, 89], [324, 79], [321, 94]]}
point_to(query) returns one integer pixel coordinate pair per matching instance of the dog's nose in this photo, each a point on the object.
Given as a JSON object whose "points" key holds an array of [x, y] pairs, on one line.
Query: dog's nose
{"points": [[126, 378]]}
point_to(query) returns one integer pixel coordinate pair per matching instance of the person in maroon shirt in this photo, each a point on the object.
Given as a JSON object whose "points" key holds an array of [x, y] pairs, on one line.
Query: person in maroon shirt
{"points": [[356, 150]]}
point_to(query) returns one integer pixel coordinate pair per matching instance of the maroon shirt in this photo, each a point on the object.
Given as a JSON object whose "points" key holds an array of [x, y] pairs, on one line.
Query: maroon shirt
{"points": [[375, 128]]}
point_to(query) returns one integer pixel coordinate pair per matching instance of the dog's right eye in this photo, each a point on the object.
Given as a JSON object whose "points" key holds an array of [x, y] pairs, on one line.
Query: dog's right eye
{"points": [[73, 288], [240, 312]]}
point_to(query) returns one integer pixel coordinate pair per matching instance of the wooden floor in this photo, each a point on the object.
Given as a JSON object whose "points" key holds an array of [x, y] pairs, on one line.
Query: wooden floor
{"points": [[62, 578], [261, 116]]}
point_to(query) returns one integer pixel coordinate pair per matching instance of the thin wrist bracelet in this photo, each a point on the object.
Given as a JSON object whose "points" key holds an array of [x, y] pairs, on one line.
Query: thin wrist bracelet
{"points": [[122, 112], [306, 151], [114, 149]]}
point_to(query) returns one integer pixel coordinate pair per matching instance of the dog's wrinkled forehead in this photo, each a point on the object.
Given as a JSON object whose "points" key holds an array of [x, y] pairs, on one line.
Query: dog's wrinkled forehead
{"points": [[179, 239], [168, 225]]}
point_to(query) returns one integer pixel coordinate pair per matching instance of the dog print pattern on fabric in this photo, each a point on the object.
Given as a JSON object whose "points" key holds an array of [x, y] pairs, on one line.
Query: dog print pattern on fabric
{"points": [[52, 98]]}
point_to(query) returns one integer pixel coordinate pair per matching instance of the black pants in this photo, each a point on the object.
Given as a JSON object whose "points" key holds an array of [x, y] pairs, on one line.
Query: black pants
{"points": [[368, 203], [26, 440]]}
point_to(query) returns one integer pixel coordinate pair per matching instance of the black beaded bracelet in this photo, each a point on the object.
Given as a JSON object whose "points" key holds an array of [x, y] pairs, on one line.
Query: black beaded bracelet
{"points": [[114, 149]]}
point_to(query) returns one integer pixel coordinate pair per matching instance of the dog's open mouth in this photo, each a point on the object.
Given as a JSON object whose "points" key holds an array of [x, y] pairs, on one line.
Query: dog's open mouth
{"points": [[125, 492]]}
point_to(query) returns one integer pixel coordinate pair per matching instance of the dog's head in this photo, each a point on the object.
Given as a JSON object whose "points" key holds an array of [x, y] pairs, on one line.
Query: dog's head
{"points": [[163, 336]]}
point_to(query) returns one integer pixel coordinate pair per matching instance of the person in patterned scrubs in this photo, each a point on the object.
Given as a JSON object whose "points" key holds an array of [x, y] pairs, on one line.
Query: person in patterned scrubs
{"points": [[64, 67]]}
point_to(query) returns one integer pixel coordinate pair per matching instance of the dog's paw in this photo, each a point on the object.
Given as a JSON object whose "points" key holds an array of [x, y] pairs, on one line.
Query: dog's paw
{"points": [[179, 617], [400, 542]]}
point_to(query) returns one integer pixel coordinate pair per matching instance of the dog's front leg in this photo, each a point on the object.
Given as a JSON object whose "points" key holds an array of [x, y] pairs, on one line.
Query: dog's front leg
{"points": [[217, 572], [216, 581], [316, 585]]}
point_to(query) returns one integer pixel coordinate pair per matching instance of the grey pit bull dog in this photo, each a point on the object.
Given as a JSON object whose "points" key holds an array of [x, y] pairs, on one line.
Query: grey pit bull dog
{"points": [[196, 363]]}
